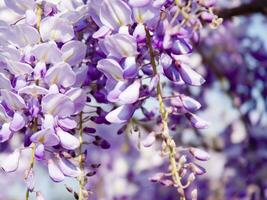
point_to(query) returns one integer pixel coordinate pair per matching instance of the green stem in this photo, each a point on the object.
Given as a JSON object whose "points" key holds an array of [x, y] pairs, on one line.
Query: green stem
{"points": [[34, 128], [164, 116], [81, 159]]}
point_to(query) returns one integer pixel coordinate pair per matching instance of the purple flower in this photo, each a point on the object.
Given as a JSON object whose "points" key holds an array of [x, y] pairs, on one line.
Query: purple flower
{"points": [[121, 114], [115, 14]]}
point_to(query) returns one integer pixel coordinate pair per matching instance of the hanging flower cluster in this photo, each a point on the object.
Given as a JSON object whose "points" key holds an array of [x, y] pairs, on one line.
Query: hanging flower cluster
{"points": [[61, 58]]}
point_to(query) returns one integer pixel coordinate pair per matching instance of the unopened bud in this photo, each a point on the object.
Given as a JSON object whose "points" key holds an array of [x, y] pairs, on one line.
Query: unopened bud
{"points": [[68, 188], [191, 177], [194, 194], [182, 160], [199, 154]]}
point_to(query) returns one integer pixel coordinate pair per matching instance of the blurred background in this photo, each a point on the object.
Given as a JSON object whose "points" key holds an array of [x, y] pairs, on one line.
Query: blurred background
{"points": [[233, 59]]}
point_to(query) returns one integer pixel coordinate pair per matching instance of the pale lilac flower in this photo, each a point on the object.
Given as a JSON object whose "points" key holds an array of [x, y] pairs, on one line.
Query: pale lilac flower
{"points": [[10, 164]]}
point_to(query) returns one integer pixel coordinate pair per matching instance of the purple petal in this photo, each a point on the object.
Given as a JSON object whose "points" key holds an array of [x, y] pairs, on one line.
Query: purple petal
{"points": [[46, 137], [131, 93], [54, 171], [67, 140], [39, 196], [89, 130], [47, 52], [48, 121], [25, 35], [140, 33], [39, 152], [102, 32], [207, 16], [197, 169], [33, 90], [113, 95], [189, 76], [139, 3], [5, 133], [31, 17], [130, 69], [17, 122], [121, 45], [68, 168], [3, 115], [18, 68], [154, 82], [190, 104], [61, 74], [57, 29], [73, 52], [146, 14], [5, 82], [29, 179], [181, 47], [78, 97], [11, 163], [67, 123], [196, 121], [169, 68], [149, 140], [114, 14], [207, 3], [110, 68], [20, 6], [157, 177], [57, 105], [121, 114], [12, 100], [199, 154]]}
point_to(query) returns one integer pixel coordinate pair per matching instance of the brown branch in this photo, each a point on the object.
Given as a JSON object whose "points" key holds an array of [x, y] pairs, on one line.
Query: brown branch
{"points": [[256, 6]]}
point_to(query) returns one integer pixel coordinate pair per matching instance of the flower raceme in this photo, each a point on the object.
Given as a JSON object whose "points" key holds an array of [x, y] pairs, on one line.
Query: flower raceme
{"points": [[60, 55]]}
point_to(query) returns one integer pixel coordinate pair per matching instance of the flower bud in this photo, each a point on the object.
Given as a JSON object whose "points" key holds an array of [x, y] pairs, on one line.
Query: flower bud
{"points": [[199, 154]]}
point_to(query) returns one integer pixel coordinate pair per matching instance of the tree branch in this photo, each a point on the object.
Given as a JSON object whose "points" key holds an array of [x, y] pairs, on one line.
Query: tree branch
{"points": [[256, 6]]}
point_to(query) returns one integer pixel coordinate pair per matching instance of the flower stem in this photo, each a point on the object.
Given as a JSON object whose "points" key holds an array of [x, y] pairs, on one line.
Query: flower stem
{"points": [[34, 128], [39, 12], [164, 116], [81, 159]]}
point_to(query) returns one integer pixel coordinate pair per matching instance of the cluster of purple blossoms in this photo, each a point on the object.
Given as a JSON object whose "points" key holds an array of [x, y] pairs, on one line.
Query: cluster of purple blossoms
{"points": [[62, 61]]}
